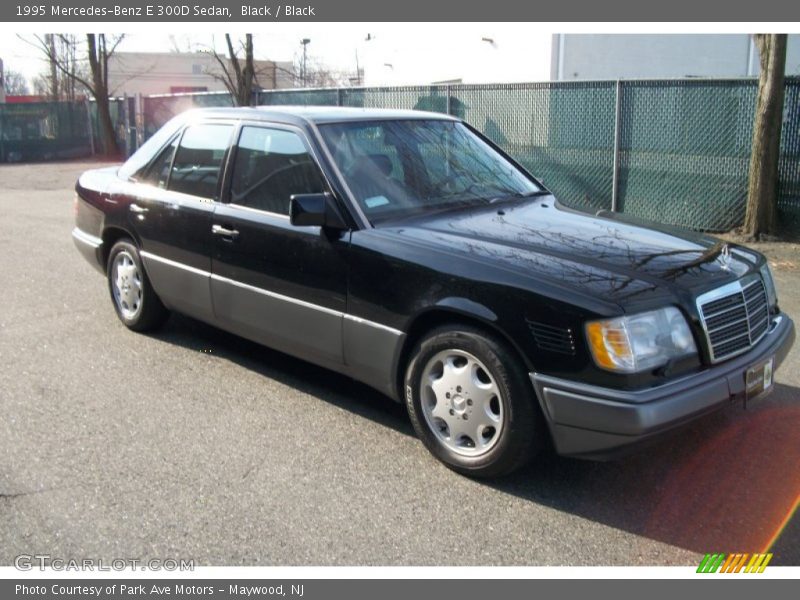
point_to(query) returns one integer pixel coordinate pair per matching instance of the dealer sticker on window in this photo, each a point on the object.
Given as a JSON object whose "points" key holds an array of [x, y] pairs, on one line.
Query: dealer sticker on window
{"points": [[758, 380], [375, 201]]}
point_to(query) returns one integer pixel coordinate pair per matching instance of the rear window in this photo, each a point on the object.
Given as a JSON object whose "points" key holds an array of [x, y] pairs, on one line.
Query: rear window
{"points": [[198, 161], [137, 163], [158, 172]]}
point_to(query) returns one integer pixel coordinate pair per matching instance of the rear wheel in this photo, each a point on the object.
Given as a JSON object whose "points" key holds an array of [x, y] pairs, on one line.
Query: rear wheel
{"points": [[135, 301], [471, 404]]}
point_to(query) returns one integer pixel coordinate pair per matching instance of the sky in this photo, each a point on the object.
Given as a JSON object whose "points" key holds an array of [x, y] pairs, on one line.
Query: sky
{"points": [[394, 54], [389, 53]]}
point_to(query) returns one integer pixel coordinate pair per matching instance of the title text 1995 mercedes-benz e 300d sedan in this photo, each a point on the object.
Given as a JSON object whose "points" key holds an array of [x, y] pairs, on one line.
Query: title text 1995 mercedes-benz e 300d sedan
{"points": [[407, 251]]}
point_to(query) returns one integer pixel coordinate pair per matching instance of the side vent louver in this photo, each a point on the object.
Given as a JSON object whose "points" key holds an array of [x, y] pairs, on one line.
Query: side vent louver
{"points": [[553, 339]]}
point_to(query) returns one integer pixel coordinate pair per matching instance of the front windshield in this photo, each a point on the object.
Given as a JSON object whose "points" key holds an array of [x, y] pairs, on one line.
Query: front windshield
{"points": [[402, 167]]}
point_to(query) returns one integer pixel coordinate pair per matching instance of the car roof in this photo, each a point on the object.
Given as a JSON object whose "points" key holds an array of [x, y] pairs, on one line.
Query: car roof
{"points": [[317, 114]]}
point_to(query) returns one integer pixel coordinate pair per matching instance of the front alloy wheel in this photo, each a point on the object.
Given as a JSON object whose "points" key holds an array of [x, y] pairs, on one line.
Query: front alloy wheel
{"points": [[470, 401], [461, 402]]}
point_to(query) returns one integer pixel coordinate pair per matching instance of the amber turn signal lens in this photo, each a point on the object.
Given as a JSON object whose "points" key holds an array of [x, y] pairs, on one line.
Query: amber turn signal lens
{"points": [[609, 345]]}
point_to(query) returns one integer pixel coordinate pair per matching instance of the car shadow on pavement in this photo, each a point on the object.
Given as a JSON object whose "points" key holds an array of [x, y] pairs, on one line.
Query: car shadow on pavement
{"points": [[306, 377], [727, 483]]}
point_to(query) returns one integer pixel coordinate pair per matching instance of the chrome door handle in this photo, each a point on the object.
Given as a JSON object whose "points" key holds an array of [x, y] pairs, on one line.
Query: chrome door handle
{"points": [[220, 230], [135, 208]]}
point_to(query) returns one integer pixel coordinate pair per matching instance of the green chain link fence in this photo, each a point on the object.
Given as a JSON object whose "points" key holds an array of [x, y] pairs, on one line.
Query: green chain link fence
{"points": [[789, 165], [37, 131], [684, 151], [673, 151], [44, 131]]}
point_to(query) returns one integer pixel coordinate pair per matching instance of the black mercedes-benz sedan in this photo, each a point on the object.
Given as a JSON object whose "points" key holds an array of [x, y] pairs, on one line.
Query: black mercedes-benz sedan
{"points": [[406, 250]]}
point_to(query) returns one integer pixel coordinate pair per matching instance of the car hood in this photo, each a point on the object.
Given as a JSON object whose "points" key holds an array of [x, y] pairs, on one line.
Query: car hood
{"points": [[610, 256]]}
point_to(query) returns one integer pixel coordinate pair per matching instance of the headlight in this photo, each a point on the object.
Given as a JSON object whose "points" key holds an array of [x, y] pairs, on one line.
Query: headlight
{"points": [[769, 285], [640, 342]]}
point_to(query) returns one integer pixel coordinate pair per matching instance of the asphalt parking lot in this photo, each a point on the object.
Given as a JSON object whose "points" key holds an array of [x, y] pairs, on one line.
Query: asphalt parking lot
{"points": [[194, 444]]}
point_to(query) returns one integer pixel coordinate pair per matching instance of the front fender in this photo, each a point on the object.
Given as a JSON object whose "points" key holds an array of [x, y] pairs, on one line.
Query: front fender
{"points": [[467, 307]]}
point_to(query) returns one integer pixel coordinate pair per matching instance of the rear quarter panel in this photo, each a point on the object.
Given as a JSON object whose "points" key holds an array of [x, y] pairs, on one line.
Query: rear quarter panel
{"points": [[100, 205]]}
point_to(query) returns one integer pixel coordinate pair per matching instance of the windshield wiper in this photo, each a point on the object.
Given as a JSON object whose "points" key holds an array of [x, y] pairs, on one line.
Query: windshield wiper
{"points": [[514, 195]]}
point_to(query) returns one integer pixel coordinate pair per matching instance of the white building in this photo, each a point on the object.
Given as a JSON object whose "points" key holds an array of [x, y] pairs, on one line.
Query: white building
{"points": [[659, 56], [513, 53], [147, 73]]}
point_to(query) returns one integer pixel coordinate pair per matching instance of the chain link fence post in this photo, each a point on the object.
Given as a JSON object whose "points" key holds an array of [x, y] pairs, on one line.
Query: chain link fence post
{"points": [[139, 120], [2, 134], [123, 121], [615, 164], [89, 125]]}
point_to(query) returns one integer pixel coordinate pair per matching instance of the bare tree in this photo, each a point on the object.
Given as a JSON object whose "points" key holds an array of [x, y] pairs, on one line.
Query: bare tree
{"points": [[41, 85], [317, 74], [60, 51], [238, 74], [99, 49], [49, 45], [68, 45], [760, 217], [15, 83]]}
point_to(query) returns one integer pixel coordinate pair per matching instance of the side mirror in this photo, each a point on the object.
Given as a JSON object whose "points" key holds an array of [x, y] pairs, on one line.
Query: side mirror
{"points": [[318, 210]]}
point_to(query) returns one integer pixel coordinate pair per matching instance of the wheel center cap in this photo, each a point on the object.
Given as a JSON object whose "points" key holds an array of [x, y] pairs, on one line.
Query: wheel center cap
{"points": [[459, 404]]}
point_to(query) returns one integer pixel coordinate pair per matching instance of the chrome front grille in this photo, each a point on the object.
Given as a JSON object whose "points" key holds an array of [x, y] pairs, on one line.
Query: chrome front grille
{"points": [[735, 317]]}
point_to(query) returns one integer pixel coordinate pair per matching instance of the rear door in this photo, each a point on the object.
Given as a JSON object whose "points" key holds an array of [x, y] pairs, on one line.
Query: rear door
{"points": [[277, 284], [172, 215]]}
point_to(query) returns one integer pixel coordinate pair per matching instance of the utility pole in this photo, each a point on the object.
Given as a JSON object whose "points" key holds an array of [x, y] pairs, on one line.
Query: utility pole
{"points": [[305, 42]]}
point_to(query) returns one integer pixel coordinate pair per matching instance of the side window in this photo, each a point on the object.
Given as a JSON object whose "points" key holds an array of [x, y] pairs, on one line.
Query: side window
{"points": [[270, 166], [158, 172], [198, 161]]}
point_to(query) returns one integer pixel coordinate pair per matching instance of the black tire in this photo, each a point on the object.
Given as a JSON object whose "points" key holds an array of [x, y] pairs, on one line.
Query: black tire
{"points": [[141, 311], [522, 433]]}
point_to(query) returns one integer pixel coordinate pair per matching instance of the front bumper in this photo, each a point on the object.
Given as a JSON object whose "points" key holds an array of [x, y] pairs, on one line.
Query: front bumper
{"points": [[597, 422]]}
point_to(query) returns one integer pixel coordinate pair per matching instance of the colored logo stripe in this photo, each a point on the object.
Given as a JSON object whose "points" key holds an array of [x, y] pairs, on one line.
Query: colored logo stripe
{"points": [[734, 563], [710, 563]]}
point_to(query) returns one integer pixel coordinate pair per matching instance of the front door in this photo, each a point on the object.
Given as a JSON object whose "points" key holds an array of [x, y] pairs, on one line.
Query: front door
{"points": [[272, 282]]}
